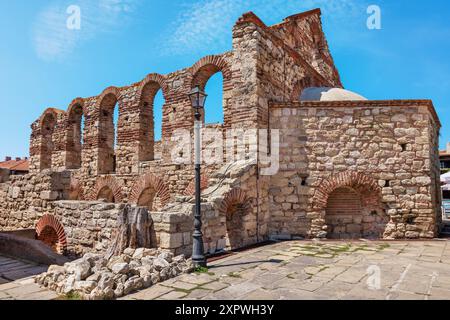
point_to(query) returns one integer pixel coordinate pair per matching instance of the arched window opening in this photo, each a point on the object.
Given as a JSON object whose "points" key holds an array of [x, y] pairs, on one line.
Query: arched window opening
{"points": [[109, 115], [158, 120], [152, 101], [47, 129], [75, 139], [213, 113], [210, 79], [351, 214], [235, 231]]}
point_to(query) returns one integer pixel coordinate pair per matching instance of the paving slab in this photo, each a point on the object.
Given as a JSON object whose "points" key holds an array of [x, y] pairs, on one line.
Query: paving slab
{"points": [[298, 270]]}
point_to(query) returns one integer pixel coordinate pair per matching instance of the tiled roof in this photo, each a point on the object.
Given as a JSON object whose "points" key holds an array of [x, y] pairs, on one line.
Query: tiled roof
{"points": [[15, 165]]}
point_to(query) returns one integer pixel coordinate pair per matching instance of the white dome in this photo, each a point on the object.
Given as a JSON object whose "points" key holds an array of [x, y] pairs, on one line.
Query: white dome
{"points": [[329, 94]]}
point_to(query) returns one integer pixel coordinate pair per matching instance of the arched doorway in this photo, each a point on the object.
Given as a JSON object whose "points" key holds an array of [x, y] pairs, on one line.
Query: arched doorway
{"points": [[235, 230], [236, 207], [344, 214], [151, 192], [150, 200], [50, 231], [106, 188], [49, 236], [350, 206], [106, 194]]}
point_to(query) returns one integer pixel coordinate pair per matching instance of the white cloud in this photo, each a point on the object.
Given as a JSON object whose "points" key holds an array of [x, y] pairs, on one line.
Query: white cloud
{"points": [[207, 24], [54, 41]]}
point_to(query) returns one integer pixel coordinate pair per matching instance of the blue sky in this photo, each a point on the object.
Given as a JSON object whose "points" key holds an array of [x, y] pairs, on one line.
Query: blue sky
{"points": [[43, 64]]}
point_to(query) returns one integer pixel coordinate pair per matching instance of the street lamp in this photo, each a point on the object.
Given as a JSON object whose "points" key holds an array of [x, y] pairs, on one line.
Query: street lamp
{"points": [[198, 98]]}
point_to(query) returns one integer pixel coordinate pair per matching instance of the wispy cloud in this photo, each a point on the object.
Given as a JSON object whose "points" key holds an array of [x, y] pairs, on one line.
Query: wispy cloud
{"points": [[54, 41], [206, 24]]}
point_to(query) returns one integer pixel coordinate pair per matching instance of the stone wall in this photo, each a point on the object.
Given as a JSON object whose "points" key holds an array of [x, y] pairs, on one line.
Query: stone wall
{"points": [[25, 199], [384, 150]]}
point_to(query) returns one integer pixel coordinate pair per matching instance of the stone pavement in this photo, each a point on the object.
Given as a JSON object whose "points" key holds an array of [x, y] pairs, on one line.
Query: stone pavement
{"points": [[304, 270], [17, 282], [319, 270]]}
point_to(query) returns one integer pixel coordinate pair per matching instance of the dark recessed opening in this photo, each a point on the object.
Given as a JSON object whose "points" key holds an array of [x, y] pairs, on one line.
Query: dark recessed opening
{"points": [[403, 145], [387, 184]]}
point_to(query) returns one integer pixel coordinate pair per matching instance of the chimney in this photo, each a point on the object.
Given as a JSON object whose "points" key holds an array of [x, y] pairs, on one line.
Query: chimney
{"points": [[18, 158], [7, 158], [448, 147]]}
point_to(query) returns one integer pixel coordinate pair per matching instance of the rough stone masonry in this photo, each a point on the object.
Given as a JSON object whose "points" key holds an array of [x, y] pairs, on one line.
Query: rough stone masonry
{"points": [[348, 167]]}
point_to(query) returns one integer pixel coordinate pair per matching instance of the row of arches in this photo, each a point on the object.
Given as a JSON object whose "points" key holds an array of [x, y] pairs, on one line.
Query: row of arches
{"points": [[154, 95], [148, 191]]}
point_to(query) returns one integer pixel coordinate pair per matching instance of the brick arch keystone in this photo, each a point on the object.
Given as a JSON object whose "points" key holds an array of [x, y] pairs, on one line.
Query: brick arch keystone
{"points": [[190, 189], [51, 221], [149, 180], [356, 180], [110, 182], [234, 197]]}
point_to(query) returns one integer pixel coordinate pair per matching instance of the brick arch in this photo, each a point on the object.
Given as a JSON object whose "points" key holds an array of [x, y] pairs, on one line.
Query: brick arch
{"points": [[207, 67], [203, 70], [156, 78], [107, 92], [47, 126], [190, 189], [358, 181], [147, 91], [50, 112], [232, 198], [74, 134], [107, 182], [77, 102], [52, 222], [149, 180], [107, 129]]}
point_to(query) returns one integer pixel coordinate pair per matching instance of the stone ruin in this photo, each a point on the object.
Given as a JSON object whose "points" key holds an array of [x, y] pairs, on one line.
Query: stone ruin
{"points": [[347, 167]]}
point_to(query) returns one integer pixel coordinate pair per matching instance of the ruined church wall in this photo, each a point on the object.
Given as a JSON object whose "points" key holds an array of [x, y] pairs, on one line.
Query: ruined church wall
{"points": [[395, 144], [279, 71], [303, 32]]}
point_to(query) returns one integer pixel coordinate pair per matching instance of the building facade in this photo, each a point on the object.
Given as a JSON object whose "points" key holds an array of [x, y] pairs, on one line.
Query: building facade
{"points": [[345, 167]]}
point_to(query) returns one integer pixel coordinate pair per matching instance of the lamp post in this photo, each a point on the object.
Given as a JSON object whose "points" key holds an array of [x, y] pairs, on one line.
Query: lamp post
{"points": [[198, 98]]}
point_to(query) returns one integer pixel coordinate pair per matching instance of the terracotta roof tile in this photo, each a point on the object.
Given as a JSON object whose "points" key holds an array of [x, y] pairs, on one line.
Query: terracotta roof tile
{"points": [[15, 165]]}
